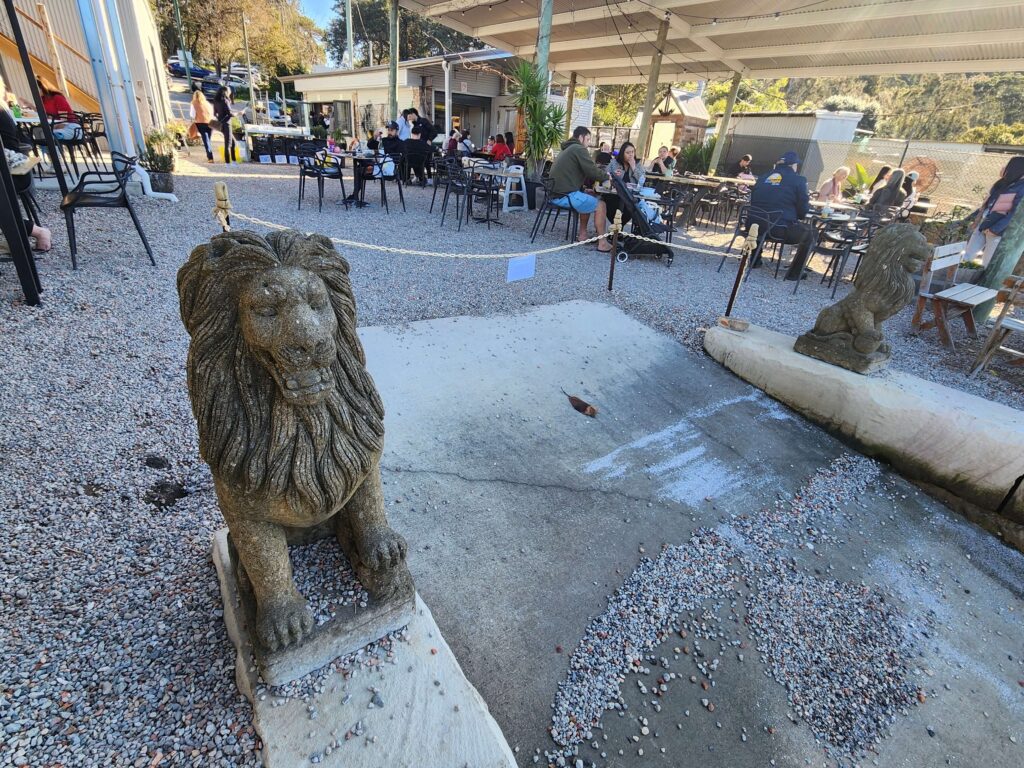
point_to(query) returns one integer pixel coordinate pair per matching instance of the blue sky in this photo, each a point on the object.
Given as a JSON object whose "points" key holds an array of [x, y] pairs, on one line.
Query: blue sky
{"points": [[321, 11]]}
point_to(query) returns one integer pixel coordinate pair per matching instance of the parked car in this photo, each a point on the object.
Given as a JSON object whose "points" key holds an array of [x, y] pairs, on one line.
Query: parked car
{"points": [[209, 86], [177, 69]]}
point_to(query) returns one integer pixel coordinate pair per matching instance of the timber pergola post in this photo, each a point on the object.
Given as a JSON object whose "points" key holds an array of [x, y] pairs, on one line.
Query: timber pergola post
{"points": [[393, 61], [570, 97], [723, 125], [540, 59], [652, 89]]}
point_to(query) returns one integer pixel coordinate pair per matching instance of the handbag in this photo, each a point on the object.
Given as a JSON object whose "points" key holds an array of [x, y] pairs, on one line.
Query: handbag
{"points": [[193, 132]]}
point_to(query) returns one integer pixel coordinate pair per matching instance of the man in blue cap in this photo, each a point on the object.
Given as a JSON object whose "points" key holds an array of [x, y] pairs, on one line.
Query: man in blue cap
{"points": [[781, 196]]}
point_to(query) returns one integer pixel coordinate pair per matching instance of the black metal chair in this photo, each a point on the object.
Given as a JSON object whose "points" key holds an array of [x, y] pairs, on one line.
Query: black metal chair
{"points": [[485, 188], [103, 189], [95, 129], [316, 163], [766, 221], [548, 208], [440, 175], [386, 168], [836, 244], [458, 184]]}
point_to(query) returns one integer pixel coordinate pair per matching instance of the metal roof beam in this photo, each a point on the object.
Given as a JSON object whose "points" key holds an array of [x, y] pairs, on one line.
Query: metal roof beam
{"points": [[851, 15], [587, 14], [682, 27]]}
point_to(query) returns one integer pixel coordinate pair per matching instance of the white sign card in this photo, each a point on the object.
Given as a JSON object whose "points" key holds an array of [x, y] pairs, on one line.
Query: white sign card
{"points": [[521, 268]]}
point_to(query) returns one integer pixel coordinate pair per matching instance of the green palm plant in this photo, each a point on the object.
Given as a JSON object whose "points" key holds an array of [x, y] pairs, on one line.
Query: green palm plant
{"points": [[858, 181], [545, 122]]}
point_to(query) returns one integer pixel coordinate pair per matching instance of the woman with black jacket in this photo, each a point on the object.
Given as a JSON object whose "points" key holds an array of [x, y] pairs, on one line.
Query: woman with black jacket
{"points": [[222, 111]]}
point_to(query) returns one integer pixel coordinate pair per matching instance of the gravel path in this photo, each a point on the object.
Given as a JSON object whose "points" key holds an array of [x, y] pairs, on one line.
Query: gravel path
{"points": [[112, 647]]}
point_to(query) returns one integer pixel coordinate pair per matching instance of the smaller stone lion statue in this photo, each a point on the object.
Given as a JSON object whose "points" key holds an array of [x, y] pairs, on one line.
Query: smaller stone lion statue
{"points": [[849, 332], [289, 419]]}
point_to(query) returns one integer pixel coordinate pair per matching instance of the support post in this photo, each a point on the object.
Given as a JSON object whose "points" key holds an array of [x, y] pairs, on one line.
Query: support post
{"points": [[184, 50], [614, 252], [37, 100], [350, 46], [1005, 258], [540, 58], [393, 61], [723, 127], [51, 42], [248, 67], [644, 139], [570, 97], [447, 67]]}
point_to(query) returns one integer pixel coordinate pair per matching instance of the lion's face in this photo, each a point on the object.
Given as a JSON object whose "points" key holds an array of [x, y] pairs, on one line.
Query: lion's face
{"points": [[287, 320]]}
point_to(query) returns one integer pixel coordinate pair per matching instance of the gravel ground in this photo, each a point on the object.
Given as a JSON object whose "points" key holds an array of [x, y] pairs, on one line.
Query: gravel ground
{"points": [[842, 651], [112, 647]]}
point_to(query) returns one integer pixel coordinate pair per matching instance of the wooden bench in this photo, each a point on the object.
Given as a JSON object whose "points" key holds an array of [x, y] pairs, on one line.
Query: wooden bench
{"points": [[958, 300], [1012, 295]]}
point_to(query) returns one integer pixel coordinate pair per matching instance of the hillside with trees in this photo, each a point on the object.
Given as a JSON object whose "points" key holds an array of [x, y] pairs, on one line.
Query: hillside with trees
{"points": [[975, 108]]}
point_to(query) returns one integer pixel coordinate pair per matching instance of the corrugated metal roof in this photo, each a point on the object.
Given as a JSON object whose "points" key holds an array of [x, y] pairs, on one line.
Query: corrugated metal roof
{"points": [[759, 38]]}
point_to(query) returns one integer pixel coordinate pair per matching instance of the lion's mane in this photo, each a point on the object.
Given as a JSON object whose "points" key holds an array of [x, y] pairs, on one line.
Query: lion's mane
{"points": [[312, 456], [882, 279]]}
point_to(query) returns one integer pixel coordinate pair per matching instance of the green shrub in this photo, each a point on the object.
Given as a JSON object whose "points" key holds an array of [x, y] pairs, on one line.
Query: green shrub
{"points": [[161, 151]]}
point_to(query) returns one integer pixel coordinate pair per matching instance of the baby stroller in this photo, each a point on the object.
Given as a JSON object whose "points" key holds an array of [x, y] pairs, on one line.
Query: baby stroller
{"points": [[631, 246]]}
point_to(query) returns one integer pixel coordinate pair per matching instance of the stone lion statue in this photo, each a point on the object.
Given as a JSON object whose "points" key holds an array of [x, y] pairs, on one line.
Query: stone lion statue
{"points": [[289, 419], [849, 332]]}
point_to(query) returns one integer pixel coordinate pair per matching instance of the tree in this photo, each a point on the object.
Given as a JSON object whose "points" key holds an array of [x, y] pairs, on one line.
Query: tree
{"points": [[418, 37], [994, 134]]}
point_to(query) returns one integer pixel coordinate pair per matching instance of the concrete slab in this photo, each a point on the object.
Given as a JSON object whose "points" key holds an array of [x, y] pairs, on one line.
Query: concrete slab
{"points": [[424, 704], [523, 516]]}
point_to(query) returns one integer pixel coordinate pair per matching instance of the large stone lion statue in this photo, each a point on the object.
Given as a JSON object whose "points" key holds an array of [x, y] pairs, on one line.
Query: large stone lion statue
{"points": [[289, 419], [849, 332]]}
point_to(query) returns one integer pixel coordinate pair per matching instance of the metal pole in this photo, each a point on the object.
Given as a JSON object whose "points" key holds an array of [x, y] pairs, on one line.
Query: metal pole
{"points": [[540, 58], [723, 126], [393, 62], [614, 252], [749, 247], [652, 89], [37, 100], [447, 67], [248, 68], [570, 97], [350, 46], [184, 50], [58, 68]]}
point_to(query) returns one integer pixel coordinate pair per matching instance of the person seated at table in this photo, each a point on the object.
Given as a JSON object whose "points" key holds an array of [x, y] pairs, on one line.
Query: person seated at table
{"points": [[373, 142], [573, 169], [510, 141], [742, 167], [451, 145], [891, 195], [781, 197], [22, 181], [66, 127], [663, 163], [911, 192], [489, 146], [417, 152], [466, 147], [391, 144], [604, 154], [832, 190], [500, 149], [356, 146], [631, 171], [883, 174]]}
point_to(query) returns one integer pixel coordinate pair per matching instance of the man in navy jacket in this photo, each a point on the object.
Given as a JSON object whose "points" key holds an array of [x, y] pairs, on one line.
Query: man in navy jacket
{"points": [[781, 196]]}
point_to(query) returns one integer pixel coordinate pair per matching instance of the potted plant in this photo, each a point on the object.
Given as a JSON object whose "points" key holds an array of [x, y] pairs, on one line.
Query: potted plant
{"points": [[159, 159], [857, 183], [545, 122]]}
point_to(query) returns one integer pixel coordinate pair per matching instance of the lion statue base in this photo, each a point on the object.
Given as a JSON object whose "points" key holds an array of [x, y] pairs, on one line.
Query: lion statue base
{"points": [[849, 332], [289, 420]]}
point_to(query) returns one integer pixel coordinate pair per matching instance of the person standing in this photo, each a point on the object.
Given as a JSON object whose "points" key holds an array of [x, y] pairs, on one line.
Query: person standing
{"points": [[222, 111], [405, 125], [202, 115], [781, 197], [571, 170], [997, 210]]}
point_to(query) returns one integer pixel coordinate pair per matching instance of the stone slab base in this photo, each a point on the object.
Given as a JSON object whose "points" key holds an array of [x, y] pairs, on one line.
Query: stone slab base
{"points": [[351, 630], [968, 446], [841, 355], [429, 714]]}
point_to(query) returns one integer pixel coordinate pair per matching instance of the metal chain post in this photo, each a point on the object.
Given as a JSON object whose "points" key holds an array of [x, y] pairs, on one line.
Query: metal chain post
{"points": [[614, 252]]}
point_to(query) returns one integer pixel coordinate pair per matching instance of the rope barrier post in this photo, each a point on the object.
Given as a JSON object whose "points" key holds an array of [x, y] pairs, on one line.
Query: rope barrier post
{"points": [[222, 207], [749, 246], [614, 252]]}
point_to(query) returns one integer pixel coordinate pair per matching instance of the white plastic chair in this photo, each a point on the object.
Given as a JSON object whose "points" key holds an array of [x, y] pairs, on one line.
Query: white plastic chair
{"points": [[514, 185]]}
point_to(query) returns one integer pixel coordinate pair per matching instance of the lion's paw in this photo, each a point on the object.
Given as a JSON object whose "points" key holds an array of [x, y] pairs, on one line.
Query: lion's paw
{"points": [[381, 548], [283, 623]]}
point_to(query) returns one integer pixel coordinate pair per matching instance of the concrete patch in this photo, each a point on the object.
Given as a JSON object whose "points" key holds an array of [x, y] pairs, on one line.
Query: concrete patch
{"points": [[969, 446], [424, 704]]}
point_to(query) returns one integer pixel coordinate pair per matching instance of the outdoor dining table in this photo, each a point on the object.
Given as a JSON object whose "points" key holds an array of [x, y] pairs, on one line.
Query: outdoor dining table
{"points": [[834, 206]]}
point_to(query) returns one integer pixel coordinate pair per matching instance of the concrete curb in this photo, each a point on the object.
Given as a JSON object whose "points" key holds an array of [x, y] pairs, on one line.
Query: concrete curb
{"points": [[970, 447]]}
